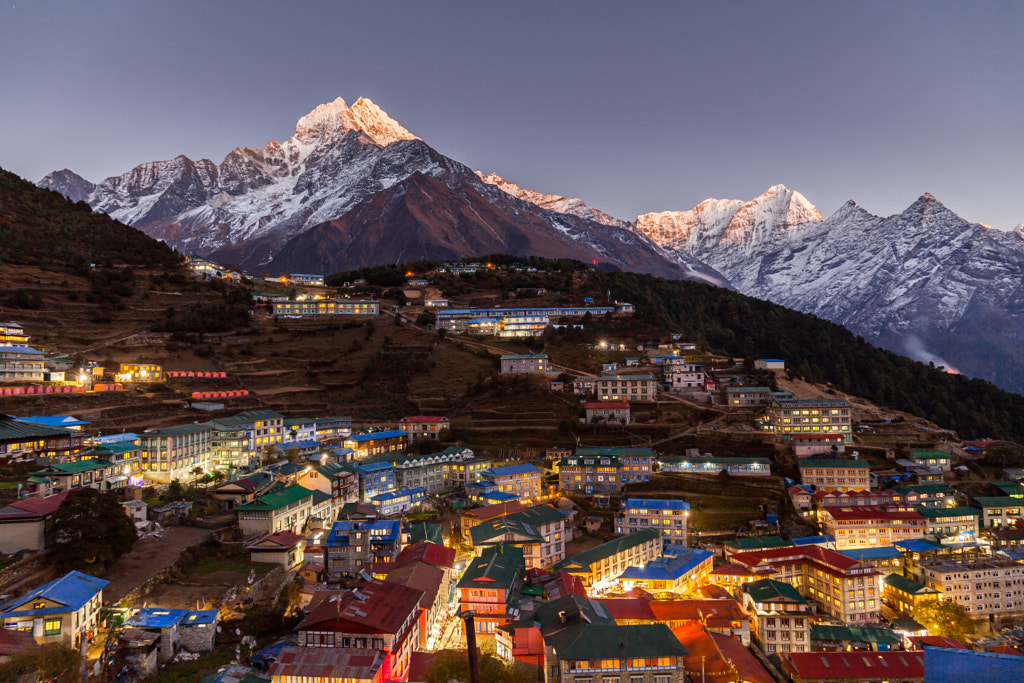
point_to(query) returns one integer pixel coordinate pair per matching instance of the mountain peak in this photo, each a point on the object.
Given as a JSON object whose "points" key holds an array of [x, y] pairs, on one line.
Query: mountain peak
{"points": [[332, 119]]}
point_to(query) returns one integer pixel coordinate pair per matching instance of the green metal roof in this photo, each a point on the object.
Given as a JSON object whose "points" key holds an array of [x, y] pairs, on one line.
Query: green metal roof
{"points": [[495, 570], [76, 467], [596, 641], [998, 502], [758, 543], [834, 462], [16, 430], [909, 586], [616, 452], [525, 356], [929, 455], [177, 430], [277, 499], [843, 634], [582, 562], [523, 523], [941, 513], [1009, 488], [770, 590], [116, 448]]}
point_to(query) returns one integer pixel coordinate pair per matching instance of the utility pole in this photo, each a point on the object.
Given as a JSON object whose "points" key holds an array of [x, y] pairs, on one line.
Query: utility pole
{"points": [[474, 656]]}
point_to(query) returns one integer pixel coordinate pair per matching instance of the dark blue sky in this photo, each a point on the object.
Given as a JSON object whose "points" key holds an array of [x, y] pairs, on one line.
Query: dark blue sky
{"points": [[634, 107]]}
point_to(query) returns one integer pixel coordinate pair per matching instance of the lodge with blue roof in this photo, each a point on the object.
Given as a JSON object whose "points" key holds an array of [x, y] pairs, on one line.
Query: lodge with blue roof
{"points": [[525, 480], [376, 443], [59, 611], [677, 570], [668, 516]]}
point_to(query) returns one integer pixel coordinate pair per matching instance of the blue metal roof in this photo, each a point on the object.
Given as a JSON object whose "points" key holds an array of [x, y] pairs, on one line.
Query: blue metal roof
{"points": [[374, 466], [205, 616], [887, 552], [54, 420], [21, 349], [656, 504], [391, 433], [670, 566], [155, 617], [916, 545], [391, 495], [300, 444], [814, 540], [116, 438], [505, 470], [72, 590]]}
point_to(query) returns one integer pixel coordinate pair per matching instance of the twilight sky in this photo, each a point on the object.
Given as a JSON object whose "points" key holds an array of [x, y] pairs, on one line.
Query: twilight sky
{"points": [[632, 106]]}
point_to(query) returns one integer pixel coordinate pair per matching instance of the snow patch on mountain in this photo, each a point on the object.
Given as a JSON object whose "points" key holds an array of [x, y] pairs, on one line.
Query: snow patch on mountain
{"points": [[552, 202]]}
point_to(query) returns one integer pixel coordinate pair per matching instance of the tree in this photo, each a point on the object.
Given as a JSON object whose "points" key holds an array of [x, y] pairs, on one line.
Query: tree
{"points": [[91, 529], [455, 666], [54, 662], [945, 618], [175, 490]]}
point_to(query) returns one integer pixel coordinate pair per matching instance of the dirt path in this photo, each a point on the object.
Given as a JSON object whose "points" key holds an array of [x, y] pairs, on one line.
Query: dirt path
{"points": [[148, 558]]}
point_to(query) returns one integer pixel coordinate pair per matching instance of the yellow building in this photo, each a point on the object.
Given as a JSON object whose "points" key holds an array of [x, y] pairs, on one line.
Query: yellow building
{"points": [[787, 416], [835, 475], [140, 372]]}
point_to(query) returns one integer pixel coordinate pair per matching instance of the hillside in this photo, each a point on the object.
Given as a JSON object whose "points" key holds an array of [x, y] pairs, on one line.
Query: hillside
{"points": [[41, 227]]}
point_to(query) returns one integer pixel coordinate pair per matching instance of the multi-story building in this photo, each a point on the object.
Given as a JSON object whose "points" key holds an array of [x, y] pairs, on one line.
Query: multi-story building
{"points": [[637, 463], [22, 441], [1005, 538], [375, 616], [63, 611], [436, 471], [738, 467], [396, 502], [459, 319], [982, 583], [12, 333], [825, 499], [927, 495], [280, 508], [126, 456], [846, 667], [524, 481], [519, 363], [21, 364], [642, 387], [318, 307], [843, 587], [91, 474], [747, 397], [999, 511], [903, 594], [940, 460], [781, 616], [835, 475], [820, 443], [866, 526], [607, 411], [229, 445], [647, 652], [321, 429], [668, 516], [599, 566], [470, 518], [490, 585], [468, 471], [676, 570], [425, 427], [374, 478], [590, 475], [959, 523], [686, 377], [306, 279], [176, 452], [351, 544], [376, 443], [886, 559], [539, 531], [787, 417], [140, 372]]}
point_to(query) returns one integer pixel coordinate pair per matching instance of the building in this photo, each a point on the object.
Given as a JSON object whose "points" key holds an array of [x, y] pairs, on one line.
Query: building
{"points": [[843, 587], [424, 427], [438, 471], [983, 584], [93, 474], [25, 523], [306, 279], [60, 611], [825, 499], [931, 458], [324, 665], [903, 594], [787, 417], [866, 526], [458, 319], [176, 453], [781, 616], [377, 443], [746, 544], [637, 463], [21, 364], [471, 518], [540, 532], [886, 559], [676, 570], [927, 495], [1005, 538], [999, 511], [283, 548], [958, 523], [626, 388], [352, 544], [599, 566], [737, 467], [515, 364], [322, 429], [685, 377], [396, 502], [722, 616], [608, 411], [430, 568], [320, 307], [817, 444], [490, 585], [667, 516], [856, 667], [280, 508], [747, 397], [373, 616], [646, 652], [25, 441], [524, 481], [599, 475], [769, 364], [835, 475], [13, 333], [140, 372]]}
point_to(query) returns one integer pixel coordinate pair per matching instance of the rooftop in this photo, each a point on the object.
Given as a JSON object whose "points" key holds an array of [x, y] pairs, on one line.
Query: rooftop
{"points": [[834, 462], [389, 434], [770, 590], [583, 561], [655, 504], [836, 666], [277, 499], [73, 590]]}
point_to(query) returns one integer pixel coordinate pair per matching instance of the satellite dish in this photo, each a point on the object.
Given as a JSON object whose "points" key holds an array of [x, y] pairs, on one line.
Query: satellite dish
{"points": [[218, 629], [238, 631]]}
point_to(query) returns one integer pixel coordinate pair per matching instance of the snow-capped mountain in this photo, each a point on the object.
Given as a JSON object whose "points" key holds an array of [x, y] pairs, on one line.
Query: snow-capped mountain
{"points": [[552, 202], [247, 208], [925, 282]]}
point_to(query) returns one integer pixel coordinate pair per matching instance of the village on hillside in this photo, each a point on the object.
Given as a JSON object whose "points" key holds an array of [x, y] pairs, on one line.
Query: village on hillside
{"points": [[429, 479]]}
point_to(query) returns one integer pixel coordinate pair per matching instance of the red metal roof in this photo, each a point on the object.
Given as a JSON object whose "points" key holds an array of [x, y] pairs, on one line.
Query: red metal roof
{"points": [[869, 512], [803, 553], [326, 663], [1005, 650], [732, 570], [384, 607], [714, 613], [497, 510], [628, 609], [423, 551], [838, 666], [40, 507], [938, 641], [283, 539], [717, 659]]}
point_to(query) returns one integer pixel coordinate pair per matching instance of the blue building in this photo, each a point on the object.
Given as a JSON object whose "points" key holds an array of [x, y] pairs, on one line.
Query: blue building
{"points": [[399, 501], [668, 516], [375, 478]]}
